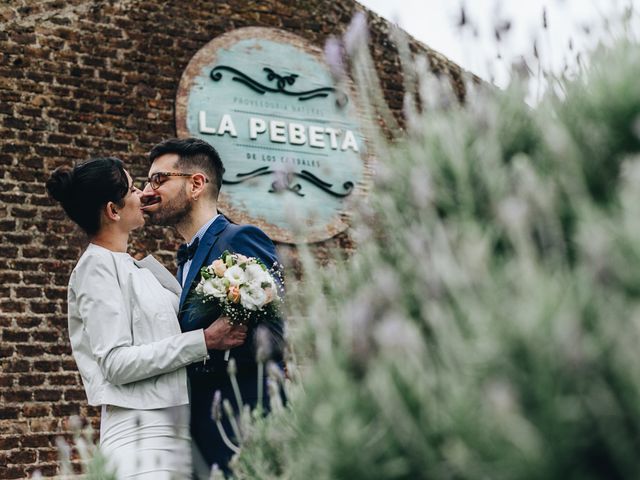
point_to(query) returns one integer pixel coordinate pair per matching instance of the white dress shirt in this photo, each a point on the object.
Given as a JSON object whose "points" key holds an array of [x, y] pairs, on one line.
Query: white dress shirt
{"points": [[125, 334], [199, 234]]}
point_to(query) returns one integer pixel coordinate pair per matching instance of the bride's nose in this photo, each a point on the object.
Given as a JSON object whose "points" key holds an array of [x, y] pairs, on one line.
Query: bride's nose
{"points": [[147, 189]]}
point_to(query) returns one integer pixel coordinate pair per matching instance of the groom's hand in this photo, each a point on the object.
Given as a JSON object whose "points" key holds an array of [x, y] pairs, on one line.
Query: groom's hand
{"points": [[222, 336]]}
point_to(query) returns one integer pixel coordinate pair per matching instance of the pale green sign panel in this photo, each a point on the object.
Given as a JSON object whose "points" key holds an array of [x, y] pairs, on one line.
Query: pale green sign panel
{"points": [[293, 149]]}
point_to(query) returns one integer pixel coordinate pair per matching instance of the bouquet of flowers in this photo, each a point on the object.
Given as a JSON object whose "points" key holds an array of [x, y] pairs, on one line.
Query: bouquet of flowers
{"points": [[243, 286]]}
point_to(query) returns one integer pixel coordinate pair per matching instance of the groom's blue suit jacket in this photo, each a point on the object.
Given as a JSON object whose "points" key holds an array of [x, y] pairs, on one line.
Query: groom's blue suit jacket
{"points": [[245, 239], [205, 380]]}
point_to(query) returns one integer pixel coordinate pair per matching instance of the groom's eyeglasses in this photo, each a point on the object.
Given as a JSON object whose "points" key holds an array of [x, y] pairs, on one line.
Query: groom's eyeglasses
{"points": [[159, 178]]}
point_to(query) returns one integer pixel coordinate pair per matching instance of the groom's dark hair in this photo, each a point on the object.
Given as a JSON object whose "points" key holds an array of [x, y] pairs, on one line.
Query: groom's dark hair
{"points": [[193, 155]]}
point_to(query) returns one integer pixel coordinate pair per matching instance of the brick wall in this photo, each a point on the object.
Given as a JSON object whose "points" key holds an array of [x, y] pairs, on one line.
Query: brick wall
{"points": [[81, 78]]}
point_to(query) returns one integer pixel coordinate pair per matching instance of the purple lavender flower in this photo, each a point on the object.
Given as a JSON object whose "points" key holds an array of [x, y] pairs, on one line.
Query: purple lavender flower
{"points": [[333, 55], [357, 34]]}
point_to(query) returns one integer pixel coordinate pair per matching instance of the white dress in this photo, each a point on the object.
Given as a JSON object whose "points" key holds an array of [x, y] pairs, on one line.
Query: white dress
{"points": [[131, 355], [147, 444]]}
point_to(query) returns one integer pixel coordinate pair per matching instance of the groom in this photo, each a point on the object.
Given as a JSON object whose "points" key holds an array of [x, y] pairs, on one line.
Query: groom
{"points": [[182, 191]]}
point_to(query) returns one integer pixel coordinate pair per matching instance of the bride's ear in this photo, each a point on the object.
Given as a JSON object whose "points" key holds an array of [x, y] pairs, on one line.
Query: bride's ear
{"points": [[111, 211]]}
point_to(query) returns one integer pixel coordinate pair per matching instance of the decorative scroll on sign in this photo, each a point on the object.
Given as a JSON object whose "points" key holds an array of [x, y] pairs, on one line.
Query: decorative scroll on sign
{"points": [[290, 140]]}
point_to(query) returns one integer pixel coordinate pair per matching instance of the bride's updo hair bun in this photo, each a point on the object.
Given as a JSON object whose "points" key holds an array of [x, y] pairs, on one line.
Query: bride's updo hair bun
{"points": [[60, 183], [86, 188]]}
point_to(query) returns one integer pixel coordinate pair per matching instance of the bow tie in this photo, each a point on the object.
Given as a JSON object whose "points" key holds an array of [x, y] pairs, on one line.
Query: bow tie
{"points": [[186, 253]]}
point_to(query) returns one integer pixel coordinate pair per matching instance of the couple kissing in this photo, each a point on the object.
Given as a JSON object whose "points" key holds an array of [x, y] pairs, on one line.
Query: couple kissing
{"points": [[146, 356]]}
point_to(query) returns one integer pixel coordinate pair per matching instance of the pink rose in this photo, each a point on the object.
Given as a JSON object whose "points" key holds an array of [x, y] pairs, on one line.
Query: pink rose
{"points": [[269, 293], [234, 294], [219, 268]]}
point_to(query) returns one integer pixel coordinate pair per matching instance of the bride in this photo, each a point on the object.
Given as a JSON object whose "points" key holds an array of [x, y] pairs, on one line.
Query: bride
{"points": [[124, 330]]}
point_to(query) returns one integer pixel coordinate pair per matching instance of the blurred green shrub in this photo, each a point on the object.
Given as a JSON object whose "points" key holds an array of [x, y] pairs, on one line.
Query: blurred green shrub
{"points": [[488, 324]]}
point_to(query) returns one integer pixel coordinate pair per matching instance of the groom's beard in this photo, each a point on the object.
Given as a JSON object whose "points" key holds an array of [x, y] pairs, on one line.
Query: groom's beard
{"points": [[172, 212]]}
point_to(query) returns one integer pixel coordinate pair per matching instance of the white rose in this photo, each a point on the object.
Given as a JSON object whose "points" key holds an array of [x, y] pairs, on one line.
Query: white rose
{"points": [[255, 274], [268, 279], [235, 275], [220, 286], [213, 286], [205, 287], [252, 297]]}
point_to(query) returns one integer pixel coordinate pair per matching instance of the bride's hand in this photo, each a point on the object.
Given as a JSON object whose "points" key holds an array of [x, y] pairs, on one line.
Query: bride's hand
{"points": [[220, 335]]}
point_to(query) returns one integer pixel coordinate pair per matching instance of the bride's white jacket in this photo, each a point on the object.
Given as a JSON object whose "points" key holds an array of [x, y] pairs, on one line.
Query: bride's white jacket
{"points": [[125, 334]]}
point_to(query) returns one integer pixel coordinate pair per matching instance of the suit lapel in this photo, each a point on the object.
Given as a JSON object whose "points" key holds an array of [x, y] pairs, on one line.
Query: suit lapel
{"points": [[179, 273], [206, 244]]}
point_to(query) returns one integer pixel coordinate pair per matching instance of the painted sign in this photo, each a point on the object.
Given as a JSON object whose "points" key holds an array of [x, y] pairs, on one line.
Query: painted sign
{"points": [[293, 150]]}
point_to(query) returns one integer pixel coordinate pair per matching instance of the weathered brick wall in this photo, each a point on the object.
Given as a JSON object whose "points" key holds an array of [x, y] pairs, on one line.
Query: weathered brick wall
{"points": [[81, 78]]}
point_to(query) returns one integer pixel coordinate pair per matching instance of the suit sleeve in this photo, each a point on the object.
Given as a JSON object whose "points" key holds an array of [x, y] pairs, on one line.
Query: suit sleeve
{"points": [[253, 242], [108, 324]]}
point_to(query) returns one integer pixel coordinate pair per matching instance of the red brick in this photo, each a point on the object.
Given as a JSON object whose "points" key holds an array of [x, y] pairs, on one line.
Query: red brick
{"points": [[23, 38], [16, 395], [7, 443], [69, 364], [6, 350], [8, 412], [8, 251], [59, 349], [31, 410], [13, 427], [10, 306], [6, 321], [6, 381], [46, 366], [67, 379], [12, 472], [24, 212], [16, 238], [75, 394], [46, 336], [65, 409], [44, 425], [31, 380], [48, 455], [60, 139], [14, 365], [22, 456], [15, 335], [46, 470], [36, 252], [31, 350], [42, 307], [47, 395], [38, 440], [29, 292], [29, 322], [57, 293], [57, 321]]}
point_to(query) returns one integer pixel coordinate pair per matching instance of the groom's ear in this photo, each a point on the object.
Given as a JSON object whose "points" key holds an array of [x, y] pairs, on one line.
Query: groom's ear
{"points": [[199, 182]]}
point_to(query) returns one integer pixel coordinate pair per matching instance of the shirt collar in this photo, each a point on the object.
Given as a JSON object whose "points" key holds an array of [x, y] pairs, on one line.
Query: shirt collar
{"points": [[200, 233]]}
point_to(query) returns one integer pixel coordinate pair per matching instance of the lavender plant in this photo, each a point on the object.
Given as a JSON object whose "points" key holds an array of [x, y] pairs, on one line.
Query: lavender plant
{"points": [[93, 463], [487, 325]]}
